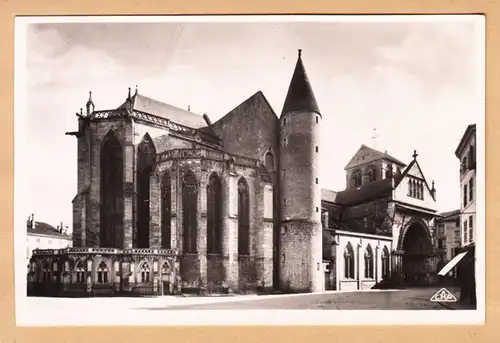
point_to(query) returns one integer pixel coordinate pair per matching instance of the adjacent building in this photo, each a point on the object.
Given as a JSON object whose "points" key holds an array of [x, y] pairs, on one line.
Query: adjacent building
{"points": [[41, 235], [168, 201], [448, 237], [466, 153]]}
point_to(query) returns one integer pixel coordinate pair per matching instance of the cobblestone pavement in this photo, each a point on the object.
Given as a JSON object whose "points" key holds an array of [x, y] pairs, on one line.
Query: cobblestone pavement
{"points": [[408, 299]]}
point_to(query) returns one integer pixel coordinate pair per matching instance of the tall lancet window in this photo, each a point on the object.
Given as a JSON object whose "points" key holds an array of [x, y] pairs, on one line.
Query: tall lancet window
{"points": [[348, 262], [369, 262], [385, 263], [166, 208], [214, 215], [189, 212], [112, 196], [146, 155], [243, 218]]}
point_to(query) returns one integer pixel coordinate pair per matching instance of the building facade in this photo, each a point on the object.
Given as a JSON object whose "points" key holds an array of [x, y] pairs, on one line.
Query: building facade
{"points": [[168, 201], [466, 153]]}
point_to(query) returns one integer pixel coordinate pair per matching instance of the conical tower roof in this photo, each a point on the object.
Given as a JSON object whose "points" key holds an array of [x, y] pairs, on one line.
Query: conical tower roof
{"points": [[300, 96]]}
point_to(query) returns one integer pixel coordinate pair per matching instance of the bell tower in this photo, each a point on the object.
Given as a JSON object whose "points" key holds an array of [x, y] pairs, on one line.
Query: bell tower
{"points": [[300, 197]]}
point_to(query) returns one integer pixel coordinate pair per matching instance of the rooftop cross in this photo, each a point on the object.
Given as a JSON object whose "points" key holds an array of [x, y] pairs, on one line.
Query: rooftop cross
{"points": [[415, 154]]}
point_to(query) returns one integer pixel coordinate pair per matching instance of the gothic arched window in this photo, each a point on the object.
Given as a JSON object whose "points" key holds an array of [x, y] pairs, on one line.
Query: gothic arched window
{"points": [[46, 272], [214, 215], [243, 218], [348, 262], [102, 272], [145, 272], [189, 212], [369, 262], [80, 272], [385, 263], [371, 175], [166, 208], [388, 171], [356, 178], [112, 197], [146, 158]]}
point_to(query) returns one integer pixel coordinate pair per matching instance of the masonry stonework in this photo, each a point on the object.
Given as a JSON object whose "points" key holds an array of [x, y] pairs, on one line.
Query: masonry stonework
{"points": [[267, 201]]}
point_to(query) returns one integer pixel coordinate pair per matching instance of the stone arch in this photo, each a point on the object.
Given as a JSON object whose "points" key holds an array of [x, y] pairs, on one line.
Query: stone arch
{"points": [[414, 224], [416, 245], [146, 161], [79, 270], [111, 192], [189, 212], [103, 271], [144, 271]]}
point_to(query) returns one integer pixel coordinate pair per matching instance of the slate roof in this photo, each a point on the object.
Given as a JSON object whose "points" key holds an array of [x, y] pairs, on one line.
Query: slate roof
{"points": [[448, 214], [379, 155], [328, 195], [178, 115], [364, 193], [42, 228], [300, 96]]}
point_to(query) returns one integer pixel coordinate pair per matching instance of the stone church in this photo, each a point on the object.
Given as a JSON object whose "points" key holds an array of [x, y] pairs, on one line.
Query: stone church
{"points": [[169, 201]]}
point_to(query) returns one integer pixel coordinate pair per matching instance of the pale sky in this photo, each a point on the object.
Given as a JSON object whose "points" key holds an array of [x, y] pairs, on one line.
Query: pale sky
{"points": [[416, 83]]}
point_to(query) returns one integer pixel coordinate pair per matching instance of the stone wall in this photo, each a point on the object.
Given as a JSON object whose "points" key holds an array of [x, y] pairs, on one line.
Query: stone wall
{"points": [[301, 267]]}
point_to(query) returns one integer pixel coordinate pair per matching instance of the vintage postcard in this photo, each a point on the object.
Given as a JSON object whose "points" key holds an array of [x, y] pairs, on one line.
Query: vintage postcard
{"points": [[317, 170]]}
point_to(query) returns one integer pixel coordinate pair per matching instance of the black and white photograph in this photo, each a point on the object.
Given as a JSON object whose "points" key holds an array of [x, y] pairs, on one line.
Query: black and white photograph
{"points": [[316, 170]]}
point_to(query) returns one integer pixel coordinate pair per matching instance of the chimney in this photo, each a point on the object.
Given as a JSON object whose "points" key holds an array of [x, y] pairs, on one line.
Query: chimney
{"points": [[207, 119], [61, 227], [33, 223]]}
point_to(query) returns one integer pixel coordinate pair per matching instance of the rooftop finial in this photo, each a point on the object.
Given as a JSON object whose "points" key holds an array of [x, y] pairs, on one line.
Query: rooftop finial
{"points": [[129, 96], [136, 89], [90, 96], [432, 184], [415, 154], [189, 108], [300, 52], [81, 111]]}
